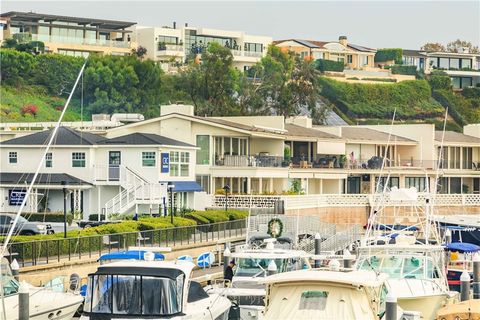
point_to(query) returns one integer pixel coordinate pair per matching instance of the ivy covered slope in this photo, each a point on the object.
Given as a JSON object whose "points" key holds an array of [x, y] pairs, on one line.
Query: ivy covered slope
{"points": [[411, 99]]}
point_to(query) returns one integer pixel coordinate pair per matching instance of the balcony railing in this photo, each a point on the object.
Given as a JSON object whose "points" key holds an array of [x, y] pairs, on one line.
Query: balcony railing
{"points": [[242, 53], [170, 47], [81, 41], [252, 161]]}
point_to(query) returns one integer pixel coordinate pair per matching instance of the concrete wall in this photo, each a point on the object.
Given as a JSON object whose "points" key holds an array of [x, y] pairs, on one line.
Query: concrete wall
{"points": [[273, 146]]}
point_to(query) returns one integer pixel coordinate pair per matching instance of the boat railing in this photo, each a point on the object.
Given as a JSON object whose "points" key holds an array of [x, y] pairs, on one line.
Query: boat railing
{"points": [[78, 247]]}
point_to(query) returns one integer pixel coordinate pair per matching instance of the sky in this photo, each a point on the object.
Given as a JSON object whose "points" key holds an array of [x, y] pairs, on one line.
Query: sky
{"points": [[378, 24]]}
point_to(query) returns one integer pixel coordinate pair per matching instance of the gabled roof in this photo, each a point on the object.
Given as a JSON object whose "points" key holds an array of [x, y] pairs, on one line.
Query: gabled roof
{"points": [[456, 137], [138, 138], [44, 178], [367, 134], [321, 44], [64, 136]]}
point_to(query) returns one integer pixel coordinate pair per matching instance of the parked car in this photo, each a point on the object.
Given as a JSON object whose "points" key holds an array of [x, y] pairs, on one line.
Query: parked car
{"points": [[23, 227]]}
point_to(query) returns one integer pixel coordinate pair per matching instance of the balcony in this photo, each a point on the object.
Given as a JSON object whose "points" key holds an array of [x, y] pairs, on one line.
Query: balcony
{"points": [[80, 41], [170, 47], [249, 54], [252, 161]]}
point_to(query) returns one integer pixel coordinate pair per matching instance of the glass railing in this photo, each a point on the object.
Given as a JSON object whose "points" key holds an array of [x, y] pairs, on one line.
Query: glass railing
{"points": [[80, 41]]}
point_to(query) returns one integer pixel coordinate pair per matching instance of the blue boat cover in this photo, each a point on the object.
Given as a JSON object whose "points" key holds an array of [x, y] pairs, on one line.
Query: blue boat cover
{"points": [[395, 227], [462, 247], [129, 255], [186, 186]]}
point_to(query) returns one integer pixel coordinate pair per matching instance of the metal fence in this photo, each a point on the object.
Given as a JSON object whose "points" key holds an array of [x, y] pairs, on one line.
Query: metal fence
{"points": [[42, 252]]}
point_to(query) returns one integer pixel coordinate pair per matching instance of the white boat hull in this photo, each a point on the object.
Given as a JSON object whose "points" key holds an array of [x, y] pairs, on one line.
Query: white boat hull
{"points": [[45, 305], [426, 305]]}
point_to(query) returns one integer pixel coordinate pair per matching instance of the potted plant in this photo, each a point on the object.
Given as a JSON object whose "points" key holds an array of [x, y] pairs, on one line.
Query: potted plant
{"points": [[342, 160]]}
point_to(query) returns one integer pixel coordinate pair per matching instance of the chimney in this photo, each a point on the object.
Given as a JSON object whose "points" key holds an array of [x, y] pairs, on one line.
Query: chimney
{"points": [[343, 40], [174, 25]]}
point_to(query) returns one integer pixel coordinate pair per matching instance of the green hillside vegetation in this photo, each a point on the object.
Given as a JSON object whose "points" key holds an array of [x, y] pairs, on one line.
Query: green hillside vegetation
{"points": [[14, 100], [464, 107], [411, 99]]}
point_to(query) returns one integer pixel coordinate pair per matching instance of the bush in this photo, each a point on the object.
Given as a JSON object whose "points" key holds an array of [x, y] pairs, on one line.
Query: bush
{"points": [[440, 82], [393, 54], [462, 109], [407, 70], [380, 79], [30, 109], [329, 65], [471, 93], [48, 217]]}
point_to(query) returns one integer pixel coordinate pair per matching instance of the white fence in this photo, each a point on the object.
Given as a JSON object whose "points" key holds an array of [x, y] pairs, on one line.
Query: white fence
{"points": [[337, 200]]}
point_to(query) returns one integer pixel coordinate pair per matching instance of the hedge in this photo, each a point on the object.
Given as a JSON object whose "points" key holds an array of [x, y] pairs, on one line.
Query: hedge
{"points": [[213, 216], [329, 65], [463, 110], [407, 70], [393, 54], [440, 82], [47, 217], [412, 99]]}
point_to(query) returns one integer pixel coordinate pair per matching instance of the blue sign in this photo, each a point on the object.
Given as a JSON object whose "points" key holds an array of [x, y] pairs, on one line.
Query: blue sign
{"points": [[15, 197], [165, 162]]}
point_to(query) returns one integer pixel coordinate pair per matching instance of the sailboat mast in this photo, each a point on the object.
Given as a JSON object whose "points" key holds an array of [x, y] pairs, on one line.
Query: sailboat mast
{"points": [[34, 178]]}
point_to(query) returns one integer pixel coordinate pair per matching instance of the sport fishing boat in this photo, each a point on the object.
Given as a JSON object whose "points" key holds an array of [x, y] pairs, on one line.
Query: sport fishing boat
{"points": [[45, 303], [325, 294], [247, 290], [402, 242], [149, 289], [460, 259]]}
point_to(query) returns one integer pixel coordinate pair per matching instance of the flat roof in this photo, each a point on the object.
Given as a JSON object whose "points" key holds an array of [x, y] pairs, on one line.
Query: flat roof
{"points": [[32, 16]]}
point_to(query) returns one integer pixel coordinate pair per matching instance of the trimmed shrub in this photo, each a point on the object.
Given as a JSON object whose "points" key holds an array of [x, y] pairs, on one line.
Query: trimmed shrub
{"points": [[392, 54], [462, 109], [439, 82], [329, 65], [47, 217], [380, 79], [407, 70]]}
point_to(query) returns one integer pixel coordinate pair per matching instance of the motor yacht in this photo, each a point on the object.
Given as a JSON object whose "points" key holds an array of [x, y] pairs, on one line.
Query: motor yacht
{"points": [[46, 303], [150, 289]]}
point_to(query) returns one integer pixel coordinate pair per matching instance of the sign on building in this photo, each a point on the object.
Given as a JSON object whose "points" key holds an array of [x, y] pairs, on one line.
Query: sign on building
{"points": [[165, 162], [15, 197]]}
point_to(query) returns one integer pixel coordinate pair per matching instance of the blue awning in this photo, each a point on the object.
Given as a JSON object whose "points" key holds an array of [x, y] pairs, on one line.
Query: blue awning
{"points": [[462, 247], [186, 186], [129, 255]]}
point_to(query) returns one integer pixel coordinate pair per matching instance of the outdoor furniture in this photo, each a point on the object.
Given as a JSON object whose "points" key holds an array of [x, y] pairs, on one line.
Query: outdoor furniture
{"points": [[305, 164], [141, 238], [108, 242]]}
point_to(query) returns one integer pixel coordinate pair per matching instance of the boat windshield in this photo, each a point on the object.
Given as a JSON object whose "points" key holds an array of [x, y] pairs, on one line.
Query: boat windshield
{"points": [[398, 267], [134, 295], [9, 284], [249, 267]]}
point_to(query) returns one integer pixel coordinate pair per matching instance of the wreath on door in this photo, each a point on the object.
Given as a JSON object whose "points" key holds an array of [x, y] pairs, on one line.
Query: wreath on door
{"points": [[275, 228]]}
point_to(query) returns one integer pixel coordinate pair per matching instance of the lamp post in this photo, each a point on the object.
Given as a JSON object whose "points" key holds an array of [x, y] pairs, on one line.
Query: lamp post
{"points": [[170, 187], [65, 194], [226, 188]]}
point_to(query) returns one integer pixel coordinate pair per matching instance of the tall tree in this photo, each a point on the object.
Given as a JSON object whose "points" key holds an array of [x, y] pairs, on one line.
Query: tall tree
{"points": [[459, 45], [433, 46]]}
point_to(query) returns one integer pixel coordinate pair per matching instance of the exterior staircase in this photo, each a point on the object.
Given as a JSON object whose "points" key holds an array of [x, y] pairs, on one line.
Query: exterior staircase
{"points": [[135, 191]]}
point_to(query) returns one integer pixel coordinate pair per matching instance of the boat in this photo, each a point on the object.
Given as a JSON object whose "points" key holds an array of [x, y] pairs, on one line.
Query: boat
{"points": [[463, 228], [403, 242], [46, 303], [150, 289], [460, 259], [325, 294], [465, 310]]}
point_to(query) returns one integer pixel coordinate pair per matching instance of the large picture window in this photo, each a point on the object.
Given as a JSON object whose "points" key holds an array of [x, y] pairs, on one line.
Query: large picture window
{"points": [[418, 182], [78, 159]]}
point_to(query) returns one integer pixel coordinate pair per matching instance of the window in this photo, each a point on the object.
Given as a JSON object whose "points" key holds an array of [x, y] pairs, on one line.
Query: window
{"points": [[204, 181], [148, 159], [313, 300], [179, 164], [454, 157], [467, 158], [444, 63], [417, 182], [349, 58], [466, 64], [78, 159], [48, 160], [454, 63], [12, 157]]}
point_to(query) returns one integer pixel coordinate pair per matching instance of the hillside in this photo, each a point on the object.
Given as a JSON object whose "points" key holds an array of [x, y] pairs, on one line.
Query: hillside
{"points": [[413, 101], [19, 105]]}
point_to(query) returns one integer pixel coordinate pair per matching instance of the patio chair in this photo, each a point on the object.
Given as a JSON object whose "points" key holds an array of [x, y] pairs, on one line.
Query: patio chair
{"points": [[141, 238], [108, 242]]}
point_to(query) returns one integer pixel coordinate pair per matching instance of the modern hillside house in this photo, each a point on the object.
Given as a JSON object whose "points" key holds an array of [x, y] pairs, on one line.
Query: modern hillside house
{"points": [[74, 36], [463, 68], [128, 173], [354, 56], [173, 44]]}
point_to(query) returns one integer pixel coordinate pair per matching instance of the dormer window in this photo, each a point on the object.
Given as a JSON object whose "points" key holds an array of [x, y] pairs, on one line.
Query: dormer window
{"points": [[12, 157]]}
